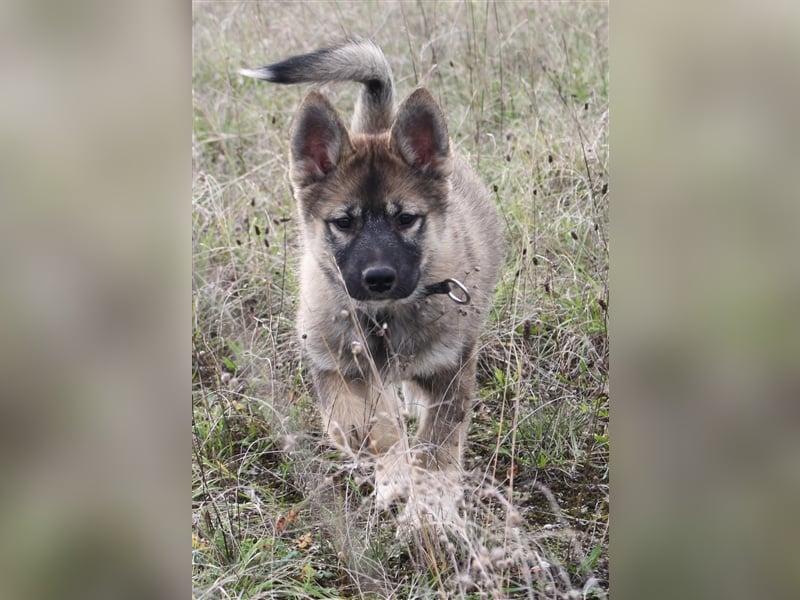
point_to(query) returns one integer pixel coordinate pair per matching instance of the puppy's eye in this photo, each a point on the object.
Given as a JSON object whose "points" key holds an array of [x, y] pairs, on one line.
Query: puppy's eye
{"points": [[405, 220], [344, 223]]}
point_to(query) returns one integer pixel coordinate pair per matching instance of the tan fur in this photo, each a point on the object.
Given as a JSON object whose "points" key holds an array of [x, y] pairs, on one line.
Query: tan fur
{"points": [[360, 350]]}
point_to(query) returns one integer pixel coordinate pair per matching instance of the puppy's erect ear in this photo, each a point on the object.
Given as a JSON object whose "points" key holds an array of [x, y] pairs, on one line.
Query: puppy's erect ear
{"points": [[319, 141], [419, 135]]}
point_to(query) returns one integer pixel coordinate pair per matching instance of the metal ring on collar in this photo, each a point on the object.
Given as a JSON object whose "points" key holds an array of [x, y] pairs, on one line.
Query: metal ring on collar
{"points": [[458, 300]]}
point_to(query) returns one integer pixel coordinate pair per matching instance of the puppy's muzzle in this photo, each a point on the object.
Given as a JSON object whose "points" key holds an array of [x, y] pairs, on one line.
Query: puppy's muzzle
{"points": [[379, 280]]}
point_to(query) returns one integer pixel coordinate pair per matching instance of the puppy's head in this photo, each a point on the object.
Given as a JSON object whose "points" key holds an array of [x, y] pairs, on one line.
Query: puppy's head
{"points": [[372, 202]]}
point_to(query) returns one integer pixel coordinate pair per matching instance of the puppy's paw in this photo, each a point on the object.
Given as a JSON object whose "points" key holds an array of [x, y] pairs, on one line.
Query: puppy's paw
{"points": [[425, 497], [393, 473]]}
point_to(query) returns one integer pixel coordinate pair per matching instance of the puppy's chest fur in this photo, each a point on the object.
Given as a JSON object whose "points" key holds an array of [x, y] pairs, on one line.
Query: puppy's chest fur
{"points": [[400, 342]]}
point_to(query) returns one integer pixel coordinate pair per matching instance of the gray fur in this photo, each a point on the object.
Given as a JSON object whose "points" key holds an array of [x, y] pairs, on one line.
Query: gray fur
{"points": [[394, 177], [356, 60]]}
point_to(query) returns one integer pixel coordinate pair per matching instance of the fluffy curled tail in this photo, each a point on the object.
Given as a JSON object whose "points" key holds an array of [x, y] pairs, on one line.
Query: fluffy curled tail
{"points": [[355, 60]]}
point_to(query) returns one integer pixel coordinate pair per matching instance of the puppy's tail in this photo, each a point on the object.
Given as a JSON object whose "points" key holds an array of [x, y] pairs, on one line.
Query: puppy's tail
{"points": [[355, 60]]}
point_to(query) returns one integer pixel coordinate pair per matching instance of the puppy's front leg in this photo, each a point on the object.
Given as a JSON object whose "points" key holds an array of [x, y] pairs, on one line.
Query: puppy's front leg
{"points": [[445, 418], [357, 415]]}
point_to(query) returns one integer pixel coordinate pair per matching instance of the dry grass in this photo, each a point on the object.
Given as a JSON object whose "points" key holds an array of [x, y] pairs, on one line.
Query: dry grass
{"points": [[276, 514]]}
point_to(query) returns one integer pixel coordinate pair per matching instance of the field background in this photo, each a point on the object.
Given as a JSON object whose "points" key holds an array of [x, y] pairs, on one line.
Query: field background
{"points": [[275, 513]]}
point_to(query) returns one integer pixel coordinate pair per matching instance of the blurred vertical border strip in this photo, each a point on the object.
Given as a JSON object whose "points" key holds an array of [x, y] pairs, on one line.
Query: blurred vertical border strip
{"points": [[706, 290], [94, 256]]}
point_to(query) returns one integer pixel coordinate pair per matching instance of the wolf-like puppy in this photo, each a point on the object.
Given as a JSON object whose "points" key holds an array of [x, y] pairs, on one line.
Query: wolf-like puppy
{"points": [[401, 250]]}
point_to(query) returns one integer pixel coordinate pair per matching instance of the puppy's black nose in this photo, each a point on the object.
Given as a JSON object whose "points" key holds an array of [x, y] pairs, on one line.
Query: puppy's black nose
{"points": [[379, 280]]}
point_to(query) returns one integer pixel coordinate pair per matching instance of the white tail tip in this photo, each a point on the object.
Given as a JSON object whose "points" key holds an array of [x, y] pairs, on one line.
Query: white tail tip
{"points": [[255, 73]]}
